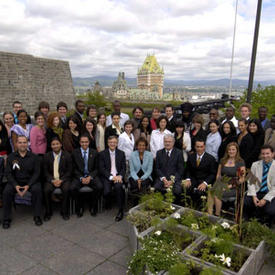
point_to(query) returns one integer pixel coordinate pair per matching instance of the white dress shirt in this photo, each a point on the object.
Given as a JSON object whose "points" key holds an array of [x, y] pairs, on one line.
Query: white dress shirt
{"points": [[212, 144], [157, 142], [126, 144], [113, 164], [123, 118], [233, 120]]}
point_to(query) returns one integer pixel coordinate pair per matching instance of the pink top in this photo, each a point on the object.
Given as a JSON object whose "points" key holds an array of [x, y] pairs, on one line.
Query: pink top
{"points": [[38, 140]]}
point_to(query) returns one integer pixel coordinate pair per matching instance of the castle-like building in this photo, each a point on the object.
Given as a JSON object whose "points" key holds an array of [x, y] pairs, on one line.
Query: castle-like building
{"points": [[150, 76]]}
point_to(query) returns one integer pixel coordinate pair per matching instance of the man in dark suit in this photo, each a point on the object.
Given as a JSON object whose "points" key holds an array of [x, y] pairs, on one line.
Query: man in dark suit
{"points": [[201, 171], [57, 170], [112, 168], [22, 170], [114, 129], [85, 170], [169, 162], [79, 111], [62, 109], [169, 111]]}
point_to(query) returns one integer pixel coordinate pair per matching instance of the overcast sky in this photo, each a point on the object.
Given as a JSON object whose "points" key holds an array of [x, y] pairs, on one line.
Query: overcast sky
{"points": [[192, 39]]}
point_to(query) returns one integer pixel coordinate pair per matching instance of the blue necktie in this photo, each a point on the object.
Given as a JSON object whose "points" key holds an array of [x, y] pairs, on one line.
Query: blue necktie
{"points": [[264, 187], [86, 171]]}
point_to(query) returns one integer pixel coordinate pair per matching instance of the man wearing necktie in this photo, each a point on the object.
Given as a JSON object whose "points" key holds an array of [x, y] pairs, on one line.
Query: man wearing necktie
{"points": [[85, 170], [260, 197], [169, 162], [112, 167], [57, 170]]}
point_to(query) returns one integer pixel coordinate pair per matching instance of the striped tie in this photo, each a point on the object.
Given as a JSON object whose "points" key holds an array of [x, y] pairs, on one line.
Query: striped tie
{"points": [[264, 187]]}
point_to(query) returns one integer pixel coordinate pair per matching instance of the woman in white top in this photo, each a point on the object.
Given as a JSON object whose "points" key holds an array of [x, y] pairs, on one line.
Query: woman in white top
{"points": [[100, 132], [213, 140], [156, 142], [126, 141]]}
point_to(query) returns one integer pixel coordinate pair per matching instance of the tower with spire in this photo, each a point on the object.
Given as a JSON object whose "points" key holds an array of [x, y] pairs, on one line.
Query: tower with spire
{"points": [[150, 75]]}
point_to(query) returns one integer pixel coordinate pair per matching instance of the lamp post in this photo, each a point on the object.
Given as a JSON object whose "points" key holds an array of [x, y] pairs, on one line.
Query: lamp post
{"points": [[254, 52]]}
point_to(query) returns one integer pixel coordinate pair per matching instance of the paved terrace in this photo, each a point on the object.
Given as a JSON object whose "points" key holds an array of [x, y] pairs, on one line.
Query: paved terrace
{"points": [[87, 245]]}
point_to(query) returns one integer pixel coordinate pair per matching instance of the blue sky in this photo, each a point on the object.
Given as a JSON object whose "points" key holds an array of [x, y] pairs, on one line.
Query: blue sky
{"points": [[192, 39]]}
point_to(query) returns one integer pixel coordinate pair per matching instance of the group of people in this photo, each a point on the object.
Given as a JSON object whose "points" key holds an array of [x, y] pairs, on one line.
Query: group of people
{"points": [[91, 154]]}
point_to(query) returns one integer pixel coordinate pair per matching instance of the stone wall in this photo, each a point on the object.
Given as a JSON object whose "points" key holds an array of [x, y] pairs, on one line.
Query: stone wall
{"points": [[31, 79]]}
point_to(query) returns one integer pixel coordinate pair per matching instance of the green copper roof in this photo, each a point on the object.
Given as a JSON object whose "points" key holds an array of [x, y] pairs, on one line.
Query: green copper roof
{"points": [[150, 65]]}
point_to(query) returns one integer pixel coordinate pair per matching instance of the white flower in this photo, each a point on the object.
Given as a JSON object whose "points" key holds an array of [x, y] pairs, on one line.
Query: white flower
{"points": [[158, 233], [214, 241], [203, 197], [195, 226], [214, 227], [172, 207], [225, 225], [224, 260], [176, 216], [152, 189], [168, 189]]}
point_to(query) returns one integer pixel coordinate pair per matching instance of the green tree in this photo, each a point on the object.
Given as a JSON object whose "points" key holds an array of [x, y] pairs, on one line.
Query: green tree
{"points": [[95, 98], [260, 97]]}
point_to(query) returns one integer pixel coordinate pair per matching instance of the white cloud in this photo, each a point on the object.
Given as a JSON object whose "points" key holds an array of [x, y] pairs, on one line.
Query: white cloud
{"points": [[192, 39]]}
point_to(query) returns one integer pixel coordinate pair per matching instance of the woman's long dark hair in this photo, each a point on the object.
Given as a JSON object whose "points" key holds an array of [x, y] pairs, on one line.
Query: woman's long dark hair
{"points": [[232, 130], [149, 129], [260, 130], [88, 119], [3, 132]]}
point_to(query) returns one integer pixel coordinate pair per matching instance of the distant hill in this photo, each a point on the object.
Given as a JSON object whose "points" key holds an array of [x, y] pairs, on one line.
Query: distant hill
{"points": [[105, 80]]}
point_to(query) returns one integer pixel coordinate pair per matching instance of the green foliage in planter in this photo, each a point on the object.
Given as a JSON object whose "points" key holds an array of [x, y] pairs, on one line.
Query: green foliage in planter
{"points": [[179, 269], [211, 271], [156, 255], [213, 250], [142, 220], [253, 233]]}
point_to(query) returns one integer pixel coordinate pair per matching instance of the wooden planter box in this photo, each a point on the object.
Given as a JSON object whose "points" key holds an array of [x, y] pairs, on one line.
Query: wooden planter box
{"points": [[248, 268]]}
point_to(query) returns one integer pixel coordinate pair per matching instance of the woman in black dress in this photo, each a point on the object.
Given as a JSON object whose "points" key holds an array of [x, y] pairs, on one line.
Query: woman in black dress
{"points": [[90, 130], [197, 132]]}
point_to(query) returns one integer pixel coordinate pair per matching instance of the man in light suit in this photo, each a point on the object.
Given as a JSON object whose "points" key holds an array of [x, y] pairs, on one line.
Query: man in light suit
{"points": [[112, 168], [169, 162], [260, 197]]}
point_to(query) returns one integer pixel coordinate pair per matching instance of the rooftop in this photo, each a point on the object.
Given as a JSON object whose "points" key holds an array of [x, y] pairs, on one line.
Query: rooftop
{"points": [[150, 65]]}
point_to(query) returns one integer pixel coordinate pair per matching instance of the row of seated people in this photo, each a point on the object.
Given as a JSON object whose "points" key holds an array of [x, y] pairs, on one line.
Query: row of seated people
{"points": [[106, 170]]}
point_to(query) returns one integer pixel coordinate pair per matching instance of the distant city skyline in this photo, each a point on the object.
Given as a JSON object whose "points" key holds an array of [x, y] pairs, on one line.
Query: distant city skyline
{"points": [[192, 39]]}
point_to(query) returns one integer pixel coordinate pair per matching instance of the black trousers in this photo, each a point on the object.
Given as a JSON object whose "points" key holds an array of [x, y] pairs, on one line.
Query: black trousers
{"points": [[250, 210], [145, 184], [177, 189], [119, 192], [8, 198], [93, 197], [49, 188]]}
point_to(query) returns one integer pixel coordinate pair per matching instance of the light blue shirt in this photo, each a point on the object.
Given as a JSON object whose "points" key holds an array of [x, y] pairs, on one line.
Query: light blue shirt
{"points": [[212, 144]]}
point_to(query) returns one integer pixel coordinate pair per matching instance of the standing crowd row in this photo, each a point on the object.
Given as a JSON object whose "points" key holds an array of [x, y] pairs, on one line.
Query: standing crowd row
{"points": [[91, 154]]}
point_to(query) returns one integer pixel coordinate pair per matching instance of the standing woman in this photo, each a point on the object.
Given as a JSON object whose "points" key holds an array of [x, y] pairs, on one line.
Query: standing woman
{"points": [[197, 132], [5, 148], [213, 140], [157, 136], [230, 165], [21, 129], [114, 129], [182, 139], [71, 135], [245, 141], [256, 131], [144, 130], [8, 121], [54, 129], [228, 134], [100, 132], [38, 135], [90, 130]]}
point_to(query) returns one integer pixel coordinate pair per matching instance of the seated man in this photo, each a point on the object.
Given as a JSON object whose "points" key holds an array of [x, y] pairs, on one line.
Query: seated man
{"points": [[201, 171], [85, 170], [169, 162], [261, 195], [23, 169], [57, 170], [112, 168]]}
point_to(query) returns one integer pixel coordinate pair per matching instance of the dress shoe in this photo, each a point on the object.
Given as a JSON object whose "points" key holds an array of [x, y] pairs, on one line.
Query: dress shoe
{"points": [[93, 212], [65, 217], [37, 221], [119, 216], [47, 217], [6, 224], [80, 212]]}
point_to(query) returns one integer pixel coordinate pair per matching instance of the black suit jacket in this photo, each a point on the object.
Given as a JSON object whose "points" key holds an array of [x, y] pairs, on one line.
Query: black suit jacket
{"points": [[65, 166], [105, 163], [171, 125], [172, 166], [77, 116], [246, 147], [206, 171], [78, 163]]}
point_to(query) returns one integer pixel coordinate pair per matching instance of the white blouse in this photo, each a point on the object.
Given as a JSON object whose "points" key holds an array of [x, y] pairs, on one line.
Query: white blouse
{"points": [[126, 144], [157, 142]]}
